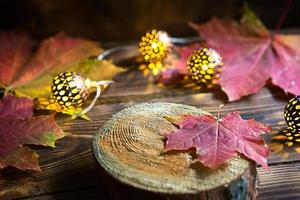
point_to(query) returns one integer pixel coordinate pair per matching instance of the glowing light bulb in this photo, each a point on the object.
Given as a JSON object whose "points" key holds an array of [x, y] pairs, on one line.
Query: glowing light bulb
{"points": [[204, 66], [154, 47]]}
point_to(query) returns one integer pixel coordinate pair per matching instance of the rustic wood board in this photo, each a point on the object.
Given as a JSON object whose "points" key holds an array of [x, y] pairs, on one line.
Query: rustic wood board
{"points": [[282, 183], [72, 160]]}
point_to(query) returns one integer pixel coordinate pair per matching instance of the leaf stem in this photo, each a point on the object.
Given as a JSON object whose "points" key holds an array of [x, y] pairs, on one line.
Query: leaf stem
{"points": [[283, 15], [219, 111]]}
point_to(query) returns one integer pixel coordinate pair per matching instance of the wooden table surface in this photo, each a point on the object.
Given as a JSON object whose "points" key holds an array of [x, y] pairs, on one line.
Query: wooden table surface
{"points": [[71, 172]]}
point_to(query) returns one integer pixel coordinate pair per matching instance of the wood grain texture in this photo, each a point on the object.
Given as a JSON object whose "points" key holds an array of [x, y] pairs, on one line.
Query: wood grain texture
{"points": [[84, 193], [283, 182], [72, 159], [68, 167]]}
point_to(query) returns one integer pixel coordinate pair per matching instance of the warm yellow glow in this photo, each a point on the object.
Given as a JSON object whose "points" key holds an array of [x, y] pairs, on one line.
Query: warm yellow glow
{"points": [[154, 46], [289, 144], [210, 71], [207, 77], [279, 137], [155, 67], [297, 149], [164, 38], [290, 137], [204, 66], [211, 65], [276, 147], [155, 71]]}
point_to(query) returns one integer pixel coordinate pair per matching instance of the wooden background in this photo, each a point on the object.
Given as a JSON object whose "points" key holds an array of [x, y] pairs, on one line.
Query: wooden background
{"points": [[70, 170]]}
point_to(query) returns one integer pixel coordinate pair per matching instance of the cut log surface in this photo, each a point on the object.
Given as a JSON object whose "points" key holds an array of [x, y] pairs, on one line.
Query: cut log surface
{"points": [[130, 148]]}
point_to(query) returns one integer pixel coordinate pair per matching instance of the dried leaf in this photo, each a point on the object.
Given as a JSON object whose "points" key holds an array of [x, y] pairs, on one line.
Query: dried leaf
{"points": [[252, 55], [50, 104], [22, 158], [18, 128], [31, 76], [14, 53], [13, 108], [55, 53], [216, 141]]}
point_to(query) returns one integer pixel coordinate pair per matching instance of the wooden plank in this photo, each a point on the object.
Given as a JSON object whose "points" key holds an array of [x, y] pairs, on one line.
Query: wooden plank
{"points": [[134, 83], [283, 182], [98, 115], [82, 194], [73, 160], [70, 166], [264, 106]]}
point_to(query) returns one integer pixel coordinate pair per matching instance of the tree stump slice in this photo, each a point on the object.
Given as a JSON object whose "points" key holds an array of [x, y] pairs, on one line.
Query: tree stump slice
{"points": [[130, 148]]}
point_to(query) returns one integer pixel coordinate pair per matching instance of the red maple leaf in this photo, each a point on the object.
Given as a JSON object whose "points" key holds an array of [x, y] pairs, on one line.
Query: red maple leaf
{"points": [[252, 55], [217, 140], [18, 127]]}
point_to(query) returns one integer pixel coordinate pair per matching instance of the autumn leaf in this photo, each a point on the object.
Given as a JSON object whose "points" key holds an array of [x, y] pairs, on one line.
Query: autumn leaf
{"points": [[31, 76], [56, 52], [51, 104], [14, 52], [22, 158], [252, 55], [18, 127], [92, 69], [217, 140], [183, 53]]}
